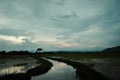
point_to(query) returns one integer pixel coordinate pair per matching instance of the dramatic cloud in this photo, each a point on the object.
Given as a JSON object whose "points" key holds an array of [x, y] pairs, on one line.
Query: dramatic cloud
{"points": [[56, 24], [12, 39]]}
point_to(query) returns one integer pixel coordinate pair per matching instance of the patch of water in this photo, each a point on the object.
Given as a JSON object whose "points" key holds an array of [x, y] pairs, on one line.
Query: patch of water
{"points": [[14, 66], [59, 71]]}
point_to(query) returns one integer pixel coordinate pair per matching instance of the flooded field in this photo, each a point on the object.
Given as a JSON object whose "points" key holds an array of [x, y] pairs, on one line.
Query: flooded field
{"points": [[14, 66], [107, 66]]}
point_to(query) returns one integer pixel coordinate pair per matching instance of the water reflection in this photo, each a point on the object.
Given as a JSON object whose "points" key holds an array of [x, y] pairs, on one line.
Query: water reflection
{"points": [[59, 71], [14, 66], [11, 70]]}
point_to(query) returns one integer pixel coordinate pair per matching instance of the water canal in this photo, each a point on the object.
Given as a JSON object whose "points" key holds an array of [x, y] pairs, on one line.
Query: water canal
{"points": [[59, 71]]}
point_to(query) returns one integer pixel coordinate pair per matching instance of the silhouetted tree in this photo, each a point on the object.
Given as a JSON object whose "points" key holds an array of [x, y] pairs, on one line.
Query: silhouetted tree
{"points": [[39, 50]]}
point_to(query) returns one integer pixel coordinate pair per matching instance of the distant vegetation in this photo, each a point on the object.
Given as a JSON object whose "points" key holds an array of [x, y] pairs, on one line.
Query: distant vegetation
{"points": [[112, 49], [38, 51], [15, 52]]}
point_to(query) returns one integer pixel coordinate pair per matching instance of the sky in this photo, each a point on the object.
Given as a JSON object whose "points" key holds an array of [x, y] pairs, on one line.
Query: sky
{"points": [[84, 25]]}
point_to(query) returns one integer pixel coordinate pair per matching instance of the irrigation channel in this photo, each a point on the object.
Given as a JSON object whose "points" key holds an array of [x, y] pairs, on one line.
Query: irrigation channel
{"points": [[59, 71]]}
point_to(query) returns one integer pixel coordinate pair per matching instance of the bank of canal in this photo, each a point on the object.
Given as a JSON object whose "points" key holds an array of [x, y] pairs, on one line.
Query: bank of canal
{"points": [[59, 71]]}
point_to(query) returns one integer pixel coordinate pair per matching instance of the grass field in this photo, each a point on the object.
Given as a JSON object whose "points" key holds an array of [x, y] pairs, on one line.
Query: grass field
{"points": [[105, 63], [82, 55]]}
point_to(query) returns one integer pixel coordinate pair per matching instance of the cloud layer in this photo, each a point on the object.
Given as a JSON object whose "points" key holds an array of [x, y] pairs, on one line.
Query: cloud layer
{"points": [[56, 24]]}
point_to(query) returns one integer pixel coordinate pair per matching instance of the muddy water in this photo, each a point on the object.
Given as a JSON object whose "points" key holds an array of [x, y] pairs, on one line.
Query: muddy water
{"points": [[59, 71]]}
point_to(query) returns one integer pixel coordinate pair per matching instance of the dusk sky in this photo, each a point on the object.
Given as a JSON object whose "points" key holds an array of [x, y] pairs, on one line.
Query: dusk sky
{"points": [[54, 24]]}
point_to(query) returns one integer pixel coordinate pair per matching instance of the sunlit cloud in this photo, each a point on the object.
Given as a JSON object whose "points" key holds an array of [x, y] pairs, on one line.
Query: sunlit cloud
{"points": [[53, 24], [13, 39], [67, 44]]}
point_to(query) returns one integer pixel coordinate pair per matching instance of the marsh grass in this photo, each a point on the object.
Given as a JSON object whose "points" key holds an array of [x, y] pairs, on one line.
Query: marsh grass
{"points": [[40, 69], [110, 70], [84, 72], [105, 64], [22, 64]]}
